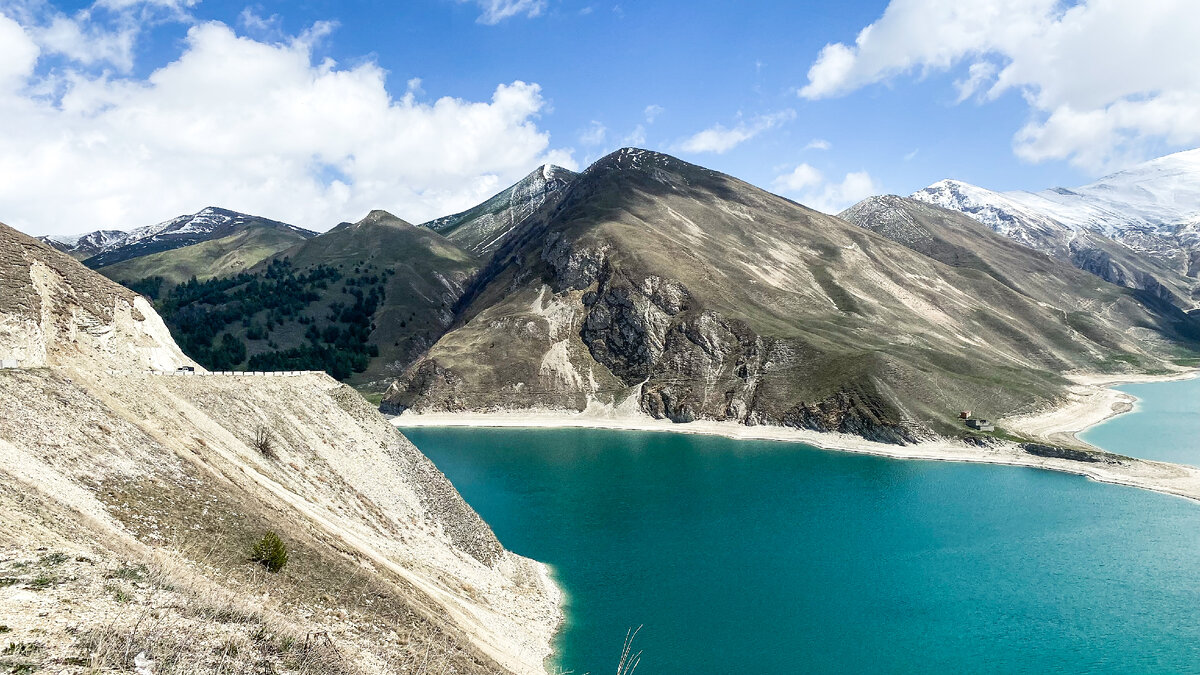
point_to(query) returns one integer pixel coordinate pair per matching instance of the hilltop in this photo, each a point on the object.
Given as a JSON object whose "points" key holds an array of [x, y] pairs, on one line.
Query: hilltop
{"points": [[361, 302]]}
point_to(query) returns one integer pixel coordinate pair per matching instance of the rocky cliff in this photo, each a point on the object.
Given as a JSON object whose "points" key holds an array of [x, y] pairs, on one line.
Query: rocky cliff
{"points": [[129, 502]]}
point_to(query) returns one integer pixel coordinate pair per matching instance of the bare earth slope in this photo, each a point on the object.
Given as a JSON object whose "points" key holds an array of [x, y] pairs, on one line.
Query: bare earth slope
{"points": [[129, 502], [664, 288]]}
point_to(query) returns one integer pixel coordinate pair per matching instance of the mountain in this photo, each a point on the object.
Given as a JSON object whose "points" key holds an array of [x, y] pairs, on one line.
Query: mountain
{"points": [[248, 244], [482, 229], [81, 246], [659, 287], [108, 247], [1138, 228], [130, 503], [208, 224], [360, 301]]}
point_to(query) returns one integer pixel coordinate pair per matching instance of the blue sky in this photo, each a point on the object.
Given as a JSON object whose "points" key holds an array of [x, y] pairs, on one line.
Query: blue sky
{"points": [[726, 85]]}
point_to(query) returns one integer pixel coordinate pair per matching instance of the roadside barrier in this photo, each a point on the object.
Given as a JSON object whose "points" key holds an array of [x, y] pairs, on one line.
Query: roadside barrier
{"points": [[218, 373]]}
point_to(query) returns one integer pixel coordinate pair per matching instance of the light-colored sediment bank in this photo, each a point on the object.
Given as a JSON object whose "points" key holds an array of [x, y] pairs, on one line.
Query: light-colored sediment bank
{"points": [[1090, 401]]}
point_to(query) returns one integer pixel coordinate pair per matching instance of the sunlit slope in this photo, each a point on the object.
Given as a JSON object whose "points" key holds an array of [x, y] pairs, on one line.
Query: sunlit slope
{"points": [[684, 293]]}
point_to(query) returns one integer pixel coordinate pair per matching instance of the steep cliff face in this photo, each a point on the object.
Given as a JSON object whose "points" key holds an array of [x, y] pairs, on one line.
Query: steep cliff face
{"points": [[162, 475], [660, 288]]}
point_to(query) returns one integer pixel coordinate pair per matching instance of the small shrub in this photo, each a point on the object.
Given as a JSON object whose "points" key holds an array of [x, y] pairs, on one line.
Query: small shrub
{"points": [[44, 581], [8, 581], [264, 443], [4, 629], [55, 559], [270, 552], [22, 649], [130, 572]]}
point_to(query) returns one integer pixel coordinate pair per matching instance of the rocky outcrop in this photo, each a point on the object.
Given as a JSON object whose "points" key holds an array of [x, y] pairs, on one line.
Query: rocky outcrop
{"points": [[1093, 456]]}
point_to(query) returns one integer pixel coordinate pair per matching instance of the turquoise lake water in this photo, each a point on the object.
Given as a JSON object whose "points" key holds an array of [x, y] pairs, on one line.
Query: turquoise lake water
{"points": [[758, 557], [1164, 426]]}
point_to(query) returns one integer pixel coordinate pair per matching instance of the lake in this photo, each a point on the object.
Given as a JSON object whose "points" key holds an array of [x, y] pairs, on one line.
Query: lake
{"points": [[762, 557], [1165, 425]]}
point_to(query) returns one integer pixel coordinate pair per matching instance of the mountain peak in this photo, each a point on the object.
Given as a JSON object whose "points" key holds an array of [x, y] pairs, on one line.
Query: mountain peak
{"points": [[380, 217]]}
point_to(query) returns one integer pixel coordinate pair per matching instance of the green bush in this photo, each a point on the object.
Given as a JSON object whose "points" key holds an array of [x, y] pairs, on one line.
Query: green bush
{"points": [[270, 552]]}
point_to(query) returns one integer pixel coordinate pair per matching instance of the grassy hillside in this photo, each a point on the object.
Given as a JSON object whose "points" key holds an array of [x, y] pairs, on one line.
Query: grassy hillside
{"points": [[360, 302], [228, 255], [664, 287]]}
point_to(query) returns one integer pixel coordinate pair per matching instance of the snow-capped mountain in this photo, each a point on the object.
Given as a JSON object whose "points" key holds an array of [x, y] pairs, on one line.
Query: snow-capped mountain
{"points": [[80, 246], [106, 247], [481, 229], [1151, 210]]}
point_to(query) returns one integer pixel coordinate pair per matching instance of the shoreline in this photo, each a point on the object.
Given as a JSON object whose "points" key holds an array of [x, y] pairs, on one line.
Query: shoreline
{"points": [[1091, 401]]}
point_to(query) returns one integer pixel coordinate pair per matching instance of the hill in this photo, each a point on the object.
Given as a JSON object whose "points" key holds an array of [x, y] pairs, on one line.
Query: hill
{"points": [[129, 503], [678, 292], [248, 245], [360, 302]]}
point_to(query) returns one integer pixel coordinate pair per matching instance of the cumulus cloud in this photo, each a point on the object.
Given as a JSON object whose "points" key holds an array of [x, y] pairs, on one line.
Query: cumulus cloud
{"points": [[808, 186], [18, 54], [1104, 78], [720, 139], [254, 126], [495, 11]]}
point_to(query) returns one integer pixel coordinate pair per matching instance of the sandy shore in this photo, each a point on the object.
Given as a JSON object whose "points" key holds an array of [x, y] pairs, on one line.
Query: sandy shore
{"points": [[1091, 401]]}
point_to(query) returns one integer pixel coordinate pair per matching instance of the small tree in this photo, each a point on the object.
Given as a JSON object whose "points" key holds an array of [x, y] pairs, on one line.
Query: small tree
{"points": [[264, 443], [270, 552]]}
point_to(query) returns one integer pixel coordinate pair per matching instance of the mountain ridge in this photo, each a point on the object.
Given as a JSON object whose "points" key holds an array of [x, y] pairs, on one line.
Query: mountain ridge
{"points": [[703, 297], [1139, 227]]}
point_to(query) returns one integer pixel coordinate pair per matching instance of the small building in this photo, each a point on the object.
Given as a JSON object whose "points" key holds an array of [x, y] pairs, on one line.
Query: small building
{"points": [[964, 415], [981, 425]]}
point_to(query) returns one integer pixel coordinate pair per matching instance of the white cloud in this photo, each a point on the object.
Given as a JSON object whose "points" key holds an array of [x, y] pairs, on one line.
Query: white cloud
{"points": [[102, 35], [495, 11], [818, 144], [87, 44], [18, 54], [720, 139], [808, 186], [978, 74], [253, 126], [636, 138], [801, 178], [652, 112], [1104, 78], [595, 134]]}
